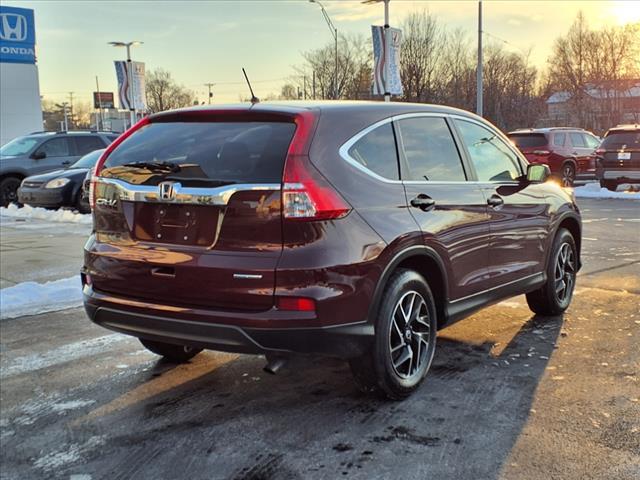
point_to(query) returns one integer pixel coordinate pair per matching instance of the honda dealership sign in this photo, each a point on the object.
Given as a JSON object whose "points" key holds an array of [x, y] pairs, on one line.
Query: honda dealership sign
{"points": [[17, 35], [131, 91]]}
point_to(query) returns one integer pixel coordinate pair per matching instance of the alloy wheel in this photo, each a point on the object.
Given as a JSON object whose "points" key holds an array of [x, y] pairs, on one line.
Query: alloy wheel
{"points": [[410, 335], [568, 175], [565, 273]]}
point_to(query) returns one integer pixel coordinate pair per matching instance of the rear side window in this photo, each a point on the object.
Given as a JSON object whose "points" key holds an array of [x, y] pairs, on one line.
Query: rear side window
{"points": [[207, 153], [493, 160], [559, 139], [56, 147], [615, 140], [376, 151], [577, 140], [88, 144], [528, 140], [430, 150]]}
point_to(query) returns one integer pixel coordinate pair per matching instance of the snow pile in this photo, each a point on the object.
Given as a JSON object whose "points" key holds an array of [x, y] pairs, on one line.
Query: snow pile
{"points": [[593, 190], [31, 298], [27, 212]]}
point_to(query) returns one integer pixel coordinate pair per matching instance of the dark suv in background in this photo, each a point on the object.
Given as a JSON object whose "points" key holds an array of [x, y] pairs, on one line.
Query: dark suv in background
{"points": [[349, 229], [569, 152], [43, 152], [619, 157]]}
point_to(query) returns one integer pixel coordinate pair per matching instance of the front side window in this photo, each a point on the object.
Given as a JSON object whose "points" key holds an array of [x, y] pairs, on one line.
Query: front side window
{"points": [[57, 147], [493, 160], [376, 151], [18, 146], [430, 150], [592, 141]]}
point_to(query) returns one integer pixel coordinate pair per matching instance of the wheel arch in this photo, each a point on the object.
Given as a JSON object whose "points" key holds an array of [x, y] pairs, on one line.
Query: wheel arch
{"points": [[13, 174], [427, 263], [573, 224]]}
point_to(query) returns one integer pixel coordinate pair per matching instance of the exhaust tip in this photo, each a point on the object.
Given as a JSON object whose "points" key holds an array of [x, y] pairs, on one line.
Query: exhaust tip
{"points": [[274, 364]]}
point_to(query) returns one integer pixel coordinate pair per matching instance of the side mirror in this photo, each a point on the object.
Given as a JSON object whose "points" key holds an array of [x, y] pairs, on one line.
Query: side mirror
{"points": [[538, 173], [38, 155]]}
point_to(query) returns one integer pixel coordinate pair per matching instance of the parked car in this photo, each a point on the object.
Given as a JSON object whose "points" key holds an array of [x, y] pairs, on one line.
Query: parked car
{"points": [[60, 188], [349, 229], [43, 152], [569, 152], [619, 157]]}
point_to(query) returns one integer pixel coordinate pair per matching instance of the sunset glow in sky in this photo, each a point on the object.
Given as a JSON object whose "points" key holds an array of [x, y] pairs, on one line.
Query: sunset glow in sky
{"points": [[209, 41]]}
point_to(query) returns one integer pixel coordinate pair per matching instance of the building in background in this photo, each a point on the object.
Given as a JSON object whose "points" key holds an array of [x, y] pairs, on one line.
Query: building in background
{"points": [[20, 108]]}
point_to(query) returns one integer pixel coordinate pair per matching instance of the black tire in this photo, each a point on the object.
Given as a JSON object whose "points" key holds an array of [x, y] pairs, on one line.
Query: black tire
{"points": [[81, 206], [554, 297], [173, 353], [9, 190], [396, 339], [568, 174], [609, 185]]}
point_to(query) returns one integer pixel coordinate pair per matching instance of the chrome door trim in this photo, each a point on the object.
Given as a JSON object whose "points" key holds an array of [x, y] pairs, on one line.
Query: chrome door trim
{"points": [[183, 195]]}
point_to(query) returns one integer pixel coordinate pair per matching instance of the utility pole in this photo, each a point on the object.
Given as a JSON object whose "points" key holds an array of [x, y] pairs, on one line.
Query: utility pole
{"points": [[100, 117], [313, 87], [209, 85], [304, 86], [387, 94], [66, 120], [479, 67], [71, 107]]}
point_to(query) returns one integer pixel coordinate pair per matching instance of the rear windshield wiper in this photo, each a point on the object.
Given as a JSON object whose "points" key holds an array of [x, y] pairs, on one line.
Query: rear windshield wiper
{"points": [[155, 166]]}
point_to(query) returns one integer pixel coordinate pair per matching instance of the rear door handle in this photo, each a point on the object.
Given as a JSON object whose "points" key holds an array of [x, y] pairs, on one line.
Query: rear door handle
{"points": [[495, 200], [167, 272], [423, 202]]}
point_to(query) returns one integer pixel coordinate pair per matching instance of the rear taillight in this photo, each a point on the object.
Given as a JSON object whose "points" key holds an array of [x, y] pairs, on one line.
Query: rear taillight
{"points": [[112, 146], [542, 152], [600, 151], [306, 194]]}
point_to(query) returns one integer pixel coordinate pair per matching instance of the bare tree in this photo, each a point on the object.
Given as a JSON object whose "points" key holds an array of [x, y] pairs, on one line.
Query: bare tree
{"points": [[420, 57], [163, 93]]}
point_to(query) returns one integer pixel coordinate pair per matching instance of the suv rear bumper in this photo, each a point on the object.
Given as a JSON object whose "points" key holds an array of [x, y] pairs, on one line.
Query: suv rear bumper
{"points": [[224, 331], [621, 175]]}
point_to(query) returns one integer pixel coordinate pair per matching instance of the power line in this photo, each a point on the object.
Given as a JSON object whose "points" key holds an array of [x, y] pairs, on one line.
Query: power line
{"points": [[503, 41]]}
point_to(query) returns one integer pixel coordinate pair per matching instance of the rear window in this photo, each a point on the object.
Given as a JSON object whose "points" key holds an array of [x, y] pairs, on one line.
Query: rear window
{"points": [[205, 153], [528, 140], [615, 140]]}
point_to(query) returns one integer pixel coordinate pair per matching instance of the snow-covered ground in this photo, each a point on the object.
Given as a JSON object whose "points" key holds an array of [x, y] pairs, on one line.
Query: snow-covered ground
{"points": [[32, 298], [26, 212], [593, 190]]}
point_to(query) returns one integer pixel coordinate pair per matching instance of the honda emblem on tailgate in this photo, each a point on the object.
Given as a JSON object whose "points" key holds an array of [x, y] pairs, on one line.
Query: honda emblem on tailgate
{"points": [[13, 27], [167, 190]]}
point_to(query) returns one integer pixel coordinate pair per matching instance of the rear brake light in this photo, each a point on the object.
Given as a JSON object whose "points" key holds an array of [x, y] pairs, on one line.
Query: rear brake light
{"points": [[296, 304], [600, 151], [541, 152], [112, 146]]}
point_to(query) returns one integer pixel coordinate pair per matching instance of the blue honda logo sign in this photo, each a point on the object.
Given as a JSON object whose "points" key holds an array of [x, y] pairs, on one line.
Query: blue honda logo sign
{"points": [[17, 35]]}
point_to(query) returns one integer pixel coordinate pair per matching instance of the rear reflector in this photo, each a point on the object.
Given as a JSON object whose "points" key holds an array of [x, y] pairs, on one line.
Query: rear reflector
{"points": [[296, 304]]}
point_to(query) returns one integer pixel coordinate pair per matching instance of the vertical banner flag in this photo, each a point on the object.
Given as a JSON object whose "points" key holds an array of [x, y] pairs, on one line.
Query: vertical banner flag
{"points": [[386, 50], [125, 83]]}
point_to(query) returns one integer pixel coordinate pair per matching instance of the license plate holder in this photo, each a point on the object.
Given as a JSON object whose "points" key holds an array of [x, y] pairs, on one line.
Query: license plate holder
{"points": [[624, 155]]}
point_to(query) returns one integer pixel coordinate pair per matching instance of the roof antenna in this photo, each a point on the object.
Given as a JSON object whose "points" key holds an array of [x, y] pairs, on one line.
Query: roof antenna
{"points": [[254, 99]]}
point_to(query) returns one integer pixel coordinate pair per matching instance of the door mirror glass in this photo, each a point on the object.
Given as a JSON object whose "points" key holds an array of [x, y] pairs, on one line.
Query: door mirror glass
{"points": [[39, 155], [537, 173]]}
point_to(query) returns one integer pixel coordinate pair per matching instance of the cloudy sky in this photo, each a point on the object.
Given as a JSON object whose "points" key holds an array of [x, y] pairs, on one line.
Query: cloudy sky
{"points": [[209, 41]]}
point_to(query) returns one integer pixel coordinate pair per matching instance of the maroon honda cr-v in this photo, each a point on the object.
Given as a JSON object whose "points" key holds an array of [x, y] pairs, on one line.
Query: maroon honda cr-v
{"points": [[354, 230]]}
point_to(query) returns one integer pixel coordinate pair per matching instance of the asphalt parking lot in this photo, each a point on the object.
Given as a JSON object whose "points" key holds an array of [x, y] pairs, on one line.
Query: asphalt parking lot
{"points": [[510, 395]]}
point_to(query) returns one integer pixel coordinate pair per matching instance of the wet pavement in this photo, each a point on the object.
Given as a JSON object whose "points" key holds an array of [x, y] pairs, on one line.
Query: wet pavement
{"points": [[510, 396]]}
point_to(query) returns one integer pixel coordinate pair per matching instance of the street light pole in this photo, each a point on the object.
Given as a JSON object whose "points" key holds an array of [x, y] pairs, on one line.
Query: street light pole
{"points": [[387, 46], [132, 105], [479, 67], [209, 85], [334, 32]]}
